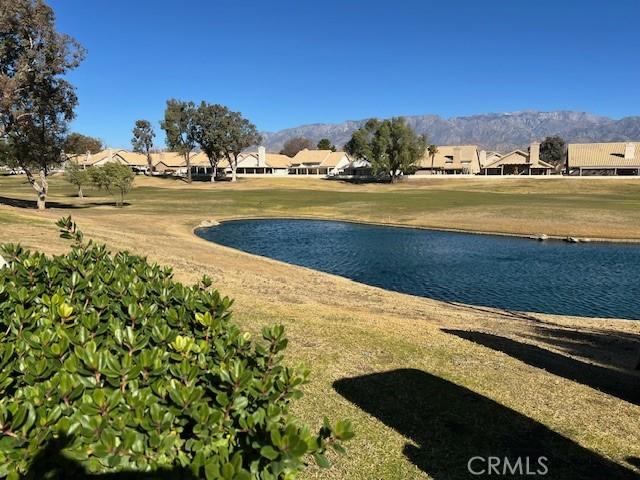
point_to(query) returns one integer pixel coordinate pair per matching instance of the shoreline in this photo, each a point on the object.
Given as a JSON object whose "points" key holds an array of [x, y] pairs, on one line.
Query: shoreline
{"points": [[530, 236], [210, 224]]}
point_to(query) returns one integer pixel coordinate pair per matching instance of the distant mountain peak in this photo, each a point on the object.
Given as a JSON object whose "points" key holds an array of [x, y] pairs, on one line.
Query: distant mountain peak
{"points": [[502, 131]]}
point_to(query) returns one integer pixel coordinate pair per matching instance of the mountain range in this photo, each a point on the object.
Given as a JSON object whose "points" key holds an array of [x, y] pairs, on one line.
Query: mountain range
{"points": [[492, 131]]}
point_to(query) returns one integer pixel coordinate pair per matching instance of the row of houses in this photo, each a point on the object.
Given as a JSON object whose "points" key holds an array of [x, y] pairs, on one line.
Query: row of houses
{"points": [[469, 159], [261, 162], [614, 158], [622, 158]]}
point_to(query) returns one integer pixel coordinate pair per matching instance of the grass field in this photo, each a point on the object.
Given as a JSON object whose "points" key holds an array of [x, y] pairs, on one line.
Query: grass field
{"points": [[427, 384]]}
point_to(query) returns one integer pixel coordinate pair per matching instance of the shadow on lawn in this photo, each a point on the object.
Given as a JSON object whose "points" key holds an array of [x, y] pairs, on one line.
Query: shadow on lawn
{"points": [[52, 464], [615, 349], [451, 424], [625, 386], [31, 204]]}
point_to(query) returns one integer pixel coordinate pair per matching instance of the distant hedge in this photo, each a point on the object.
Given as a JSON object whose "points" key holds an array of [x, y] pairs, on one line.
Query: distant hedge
{"points": [[134, 371]]}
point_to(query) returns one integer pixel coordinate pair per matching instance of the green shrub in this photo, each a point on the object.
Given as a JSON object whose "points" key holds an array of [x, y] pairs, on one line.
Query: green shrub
{"points": [[115, 178], [76, 176], [139, 372]]}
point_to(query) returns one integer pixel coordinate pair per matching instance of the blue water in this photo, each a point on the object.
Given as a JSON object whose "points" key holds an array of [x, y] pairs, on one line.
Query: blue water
{"points": [[595, 280]]}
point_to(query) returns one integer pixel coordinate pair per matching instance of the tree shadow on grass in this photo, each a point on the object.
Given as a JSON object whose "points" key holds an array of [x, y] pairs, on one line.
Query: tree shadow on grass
{"points": [[359, 180], [497, 311], [616, 349], [31, 204], [623, 385], [451, 424], [52, 464]]}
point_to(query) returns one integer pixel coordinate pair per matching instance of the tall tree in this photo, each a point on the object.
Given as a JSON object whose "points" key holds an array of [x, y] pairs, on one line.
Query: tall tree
{"points": [[221, 133], [294, 145], [142, 140], [390, 146], [432, 150], [325, 144], [179, 126], [76, 143], [209, 133], [240, 134], [36, 103], [552, 150]]}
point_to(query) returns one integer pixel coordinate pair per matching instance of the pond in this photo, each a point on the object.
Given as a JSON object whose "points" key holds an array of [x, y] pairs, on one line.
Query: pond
{"points": [[586, 279]]}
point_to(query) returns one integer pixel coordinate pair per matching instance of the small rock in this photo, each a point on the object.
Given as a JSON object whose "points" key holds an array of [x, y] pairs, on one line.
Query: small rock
{"points": [[208, 223], [572, 240]]}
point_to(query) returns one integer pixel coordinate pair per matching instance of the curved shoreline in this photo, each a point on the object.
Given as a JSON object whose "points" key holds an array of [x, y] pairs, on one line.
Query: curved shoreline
{"points": [[529, 236], [210, 224]]}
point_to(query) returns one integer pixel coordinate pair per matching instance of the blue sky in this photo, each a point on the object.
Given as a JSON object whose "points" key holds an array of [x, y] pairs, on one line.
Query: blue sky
{"points": [[286, 63]]}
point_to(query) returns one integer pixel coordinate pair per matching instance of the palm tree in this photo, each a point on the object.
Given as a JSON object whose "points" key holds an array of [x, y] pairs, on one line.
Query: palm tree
{"points": [[432, 149]]}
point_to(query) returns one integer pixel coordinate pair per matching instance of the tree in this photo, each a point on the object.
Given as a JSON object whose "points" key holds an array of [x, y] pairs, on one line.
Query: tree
{"points": [[36, 103], [240, 134], [36, 146], [142, 140], [221, 133], [432, 150], [552, 150], [77, 176], [137, 375], [179, 126], [390, 146], [5, 153], [76, 143], [115, 178], [209, 133], [325, 144], [294, 145]]}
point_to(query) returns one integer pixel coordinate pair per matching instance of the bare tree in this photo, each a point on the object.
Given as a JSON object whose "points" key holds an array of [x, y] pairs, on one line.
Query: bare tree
{"points": [[294, 145]]}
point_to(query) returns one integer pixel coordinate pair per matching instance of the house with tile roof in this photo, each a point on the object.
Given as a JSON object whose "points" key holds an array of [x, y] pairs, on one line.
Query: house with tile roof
{"points": [[318, 162], [137, 161], [518, 162], [615, 158], [249, 163], [450, 159]]}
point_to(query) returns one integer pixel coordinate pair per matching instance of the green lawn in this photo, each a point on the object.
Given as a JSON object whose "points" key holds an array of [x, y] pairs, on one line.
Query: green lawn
{"points": [[594, 208]]}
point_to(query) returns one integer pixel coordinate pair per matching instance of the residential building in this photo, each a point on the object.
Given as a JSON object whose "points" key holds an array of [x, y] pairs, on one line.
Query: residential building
{"points": [[138, 161], [318, 162], [450, 159], [170, 163], [616, 158], [518, 162]]}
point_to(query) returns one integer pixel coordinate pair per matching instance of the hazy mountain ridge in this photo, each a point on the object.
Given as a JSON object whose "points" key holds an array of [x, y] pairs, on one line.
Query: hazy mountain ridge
{"points": [[492, 131]]}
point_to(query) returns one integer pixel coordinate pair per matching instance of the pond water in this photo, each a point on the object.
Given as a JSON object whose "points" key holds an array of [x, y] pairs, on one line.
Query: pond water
{"points": [[587, 279]]}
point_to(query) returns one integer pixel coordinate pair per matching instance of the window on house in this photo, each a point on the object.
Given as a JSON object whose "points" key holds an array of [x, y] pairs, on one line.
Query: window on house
{"points": [[449, 158]]}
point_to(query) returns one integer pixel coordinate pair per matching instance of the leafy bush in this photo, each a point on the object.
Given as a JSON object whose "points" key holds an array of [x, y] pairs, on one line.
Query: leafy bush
{"points": [[76, 176], [140, 372], [115, 178]]}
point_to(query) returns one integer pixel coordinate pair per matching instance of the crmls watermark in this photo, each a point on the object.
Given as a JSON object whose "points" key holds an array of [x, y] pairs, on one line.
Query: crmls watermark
{"points": [[498, 466]]}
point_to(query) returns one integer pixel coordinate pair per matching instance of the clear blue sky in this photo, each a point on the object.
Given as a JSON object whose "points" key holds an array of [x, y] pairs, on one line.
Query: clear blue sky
{"points": [[286, 63]]}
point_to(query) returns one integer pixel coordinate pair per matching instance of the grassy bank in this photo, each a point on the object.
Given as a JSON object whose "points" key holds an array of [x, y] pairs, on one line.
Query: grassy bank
{"points": [[563, 207], [428, 384]]}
